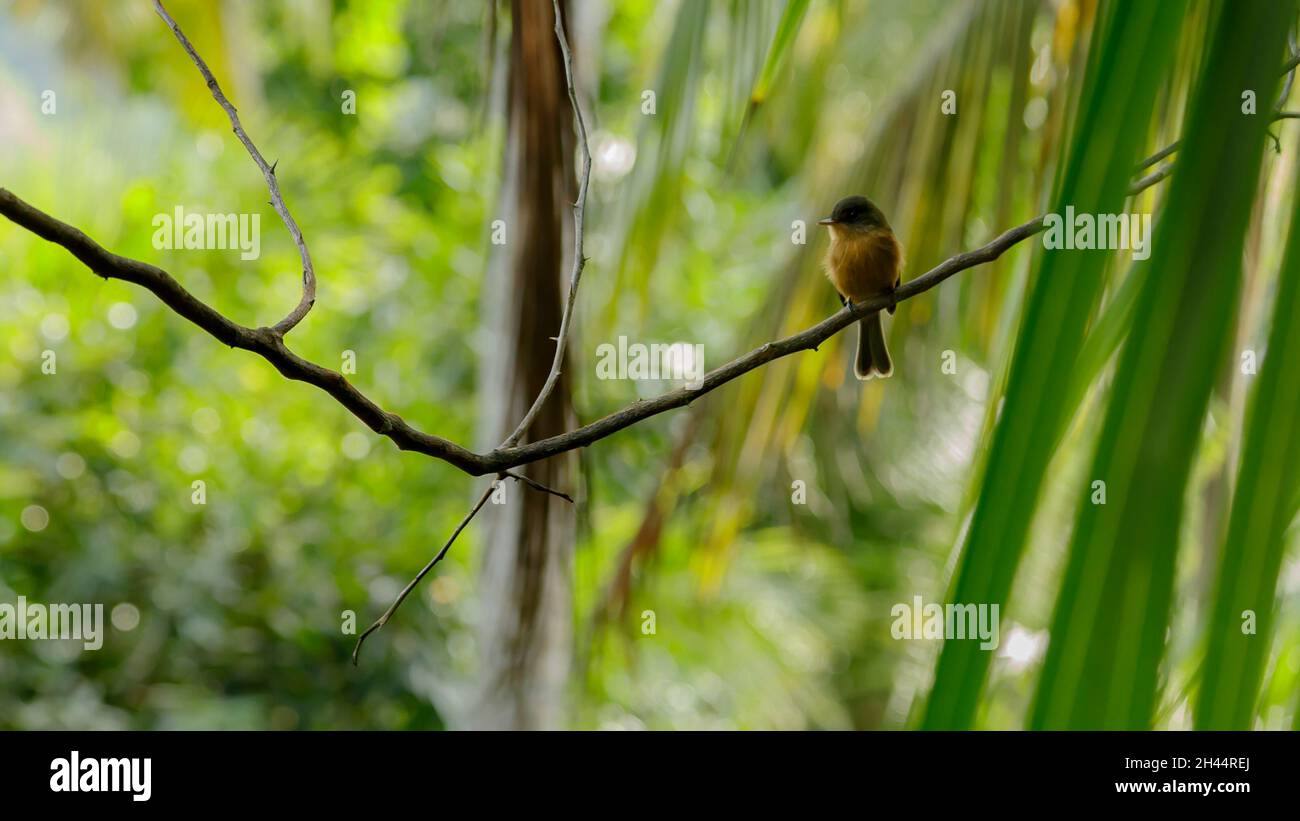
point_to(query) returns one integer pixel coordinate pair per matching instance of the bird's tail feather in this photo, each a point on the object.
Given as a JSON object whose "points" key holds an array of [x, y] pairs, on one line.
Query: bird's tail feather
{"points": [[873, 356]]}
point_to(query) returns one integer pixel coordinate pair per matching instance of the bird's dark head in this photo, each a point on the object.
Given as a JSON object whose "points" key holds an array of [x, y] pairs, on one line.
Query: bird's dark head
{"points": [[855, 213]]}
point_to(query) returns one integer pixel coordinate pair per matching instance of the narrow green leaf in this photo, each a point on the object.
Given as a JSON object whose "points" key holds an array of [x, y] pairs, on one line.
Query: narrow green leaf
{"points": [[1263, 505], [1134, 50], [782, 41], [1112, 614], [1106, 336], [662, 145]]}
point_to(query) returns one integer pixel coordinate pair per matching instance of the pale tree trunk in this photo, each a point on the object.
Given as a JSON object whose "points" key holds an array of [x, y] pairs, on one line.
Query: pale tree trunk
{"points": [[525, 616]]}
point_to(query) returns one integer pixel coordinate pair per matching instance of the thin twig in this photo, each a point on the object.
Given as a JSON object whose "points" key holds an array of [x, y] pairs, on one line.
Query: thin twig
{"points": [[406, 591], [1154, 177], [268, 171], [1159, 155], [1149, 180], [1176, 144], [1288, 75], [536, 485], [579, 260], [1292, 62]]}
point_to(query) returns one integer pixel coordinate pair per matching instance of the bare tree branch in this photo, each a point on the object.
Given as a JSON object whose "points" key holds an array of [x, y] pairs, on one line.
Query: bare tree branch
{"points": [[263, 341], [267, 344], [268, 171]]}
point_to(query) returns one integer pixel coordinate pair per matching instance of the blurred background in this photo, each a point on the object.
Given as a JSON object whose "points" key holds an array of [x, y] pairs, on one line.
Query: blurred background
{"points": [[728, 565]]}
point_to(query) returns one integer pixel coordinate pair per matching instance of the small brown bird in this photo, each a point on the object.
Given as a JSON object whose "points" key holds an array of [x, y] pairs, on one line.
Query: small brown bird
{"points": [[864, 261]]}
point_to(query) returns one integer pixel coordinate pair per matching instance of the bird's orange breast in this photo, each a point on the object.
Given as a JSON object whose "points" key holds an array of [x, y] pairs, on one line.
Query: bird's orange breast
{"points": [[862, 265]]}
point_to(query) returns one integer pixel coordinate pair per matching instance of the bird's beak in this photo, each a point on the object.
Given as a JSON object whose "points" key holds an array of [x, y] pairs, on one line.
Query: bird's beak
{"points": [[826, 221]]}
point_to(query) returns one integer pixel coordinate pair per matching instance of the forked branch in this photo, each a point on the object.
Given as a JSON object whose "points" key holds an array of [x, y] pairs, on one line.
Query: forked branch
{"points": [[268, 171]]}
